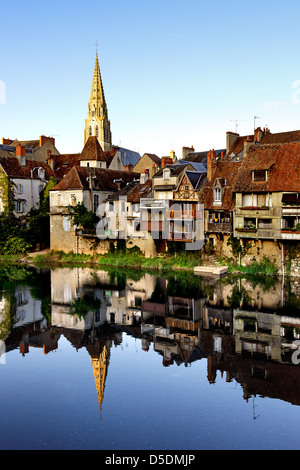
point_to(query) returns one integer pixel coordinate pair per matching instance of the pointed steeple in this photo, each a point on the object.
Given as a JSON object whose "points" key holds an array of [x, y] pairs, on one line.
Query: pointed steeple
{"points": [[97, 123]]}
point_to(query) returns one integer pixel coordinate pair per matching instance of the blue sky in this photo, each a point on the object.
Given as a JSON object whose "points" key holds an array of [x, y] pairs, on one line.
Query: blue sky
{"points": [[175, 73]]}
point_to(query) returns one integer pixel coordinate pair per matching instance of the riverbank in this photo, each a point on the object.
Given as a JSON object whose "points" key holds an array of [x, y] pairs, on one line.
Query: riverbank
{"points": [[181, 261]]}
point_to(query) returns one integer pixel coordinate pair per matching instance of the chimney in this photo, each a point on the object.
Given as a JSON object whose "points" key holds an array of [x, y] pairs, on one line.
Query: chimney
{"points": [[258, 133], [20, 154], [247, 144], [211, 164], [50, 160], [153, 170], [230, 139], [186, 151], [6, 141], [128, 167], [44, 139], [166, 161], [144, 177], [172, 155]]}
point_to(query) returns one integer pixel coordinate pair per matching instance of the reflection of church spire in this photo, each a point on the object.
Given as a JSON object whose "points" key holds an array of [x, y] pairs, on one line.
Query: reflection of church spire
{"points": [[100, 366]]}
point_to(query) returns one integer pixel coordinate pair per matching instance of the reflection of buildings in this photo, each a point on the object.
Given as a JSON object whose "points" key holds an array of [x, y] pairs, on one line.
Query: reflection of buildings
{"points": [[244, 330], [173, 323], [109, 302]]}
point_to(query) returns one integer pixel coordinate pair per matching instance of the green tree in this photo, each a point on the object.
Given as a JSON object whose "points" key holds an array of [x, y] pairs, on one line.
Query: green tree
{"points": [[82, 217]]}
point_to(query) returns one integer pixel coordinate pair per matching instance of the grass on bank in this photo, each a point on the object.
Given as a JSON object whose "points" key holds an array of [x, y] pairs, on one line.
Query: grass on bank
{"points": [[133, 260]]}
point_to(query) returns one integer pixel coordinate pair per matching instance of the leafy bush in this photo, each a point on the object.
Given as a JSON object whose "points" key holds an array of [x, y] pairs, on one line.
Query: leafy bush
{"points": [[15, 245]]}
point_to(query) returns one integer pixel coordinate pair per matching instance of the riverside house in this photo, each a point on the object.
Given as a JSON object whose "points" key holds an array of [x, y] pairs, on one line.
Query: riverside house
{"points": [[267, 192], [27, 175]]}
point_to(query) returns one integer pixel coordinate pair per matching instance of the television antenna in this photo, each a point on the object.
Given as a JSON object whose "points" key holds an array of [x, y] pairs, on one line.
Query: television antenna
{"points": [[236, 123]]}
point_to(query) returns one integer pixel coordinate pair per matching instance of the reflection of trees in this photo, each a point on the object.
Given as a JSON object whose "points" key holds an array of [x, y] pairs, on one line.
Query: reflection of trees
{"points": [[239, 297], [83, 305]]}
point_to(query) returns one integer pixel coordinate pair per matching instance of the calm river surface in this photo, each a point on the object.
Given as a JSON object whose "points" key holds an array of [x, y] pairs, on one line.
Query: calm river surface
{"points": [[121, 360]]}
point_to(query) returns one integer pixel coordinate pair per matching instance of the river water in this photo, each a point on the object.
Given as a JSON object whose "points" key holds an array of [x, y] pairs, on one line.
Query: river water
{"points": [[125, 360]]}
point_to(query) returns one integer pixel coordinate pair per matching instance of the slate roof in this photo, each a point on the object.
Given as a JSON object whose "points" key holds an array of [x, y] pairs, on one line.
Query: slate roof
{"points": [[196, 178], [129, 157], [282, 162], [133, 191], [176, 170], [201, 157], [198, 166]]}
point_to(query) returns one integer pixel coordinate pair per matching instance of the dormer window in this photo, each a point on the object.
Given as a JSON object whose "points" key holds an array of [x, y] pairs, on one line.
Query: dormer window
{"points": [[217, 196], [259, 175], [167, 174], [41, 174]]}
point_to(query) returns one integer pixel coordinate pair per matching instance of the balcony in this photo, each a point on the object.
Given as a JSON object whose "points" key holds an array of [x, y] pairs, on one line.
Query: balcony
{"points": [[250, 211], [223, 227], [151, 204], [291, 233]]}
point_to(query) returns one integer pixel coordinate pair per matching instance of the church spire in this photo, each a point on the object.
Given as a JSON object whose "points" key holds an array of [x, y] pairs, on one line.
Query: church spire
{"points": [[97, 122]]}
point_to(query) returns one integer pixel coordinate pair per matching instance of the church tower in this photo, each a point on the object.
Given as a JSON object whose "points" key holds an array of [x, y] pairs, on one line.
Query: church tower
{"points": [[97, 123]]}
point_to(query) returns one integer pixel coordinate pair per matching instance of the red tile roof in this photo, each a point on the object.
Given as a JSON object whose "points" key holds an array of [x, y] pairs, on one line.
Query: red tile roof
{"points": [[282, 162], [267, 138], [226, 174], [103, 179], [93, 151], [13, 169]]}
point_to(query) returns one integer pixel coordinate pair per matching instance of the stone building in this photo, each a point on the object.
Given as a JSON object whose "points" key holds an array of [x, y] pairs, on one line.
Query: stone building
{"points": [[28, 177], [37, 150]]}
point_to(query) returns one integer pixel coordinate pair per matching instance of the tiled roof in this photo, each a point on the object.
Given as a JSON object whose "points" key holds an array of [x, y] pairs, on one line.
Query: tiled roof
{"points": [[103, 179], [267, 138], [34, 144], [282, 162], [225, 174], [13, 169], [63, 163], [92, 150]]}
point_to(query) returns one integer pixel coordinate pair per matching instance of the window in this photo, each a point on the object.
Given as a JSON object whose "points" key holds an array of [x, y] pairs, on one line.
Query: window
{"points": [[41, 173], [217, 195], [259, 175], [186, 187], [90, 130], [72, 200], [67, 294], [265, 223], [66, 224], [97, 131], [19, 206], [96, 202], [111, 206], [166, 174], [20, 189]]}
